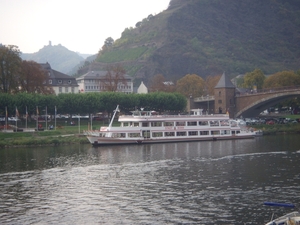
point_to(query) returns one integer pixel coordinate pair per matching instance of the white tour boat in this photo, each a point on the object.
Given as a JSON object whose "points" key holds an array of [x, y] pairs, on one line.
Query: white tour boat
{"points": [[149, 127]]}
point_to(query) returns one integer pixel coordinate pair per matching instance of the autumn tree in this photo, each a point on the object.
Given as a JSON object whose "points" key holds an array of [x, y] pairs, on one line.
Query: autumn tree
{"points": [[33, 79], [10, 63], [158, 83], [191, 85], [281, 79], [114, 77], [254, 78], [210, 83]]}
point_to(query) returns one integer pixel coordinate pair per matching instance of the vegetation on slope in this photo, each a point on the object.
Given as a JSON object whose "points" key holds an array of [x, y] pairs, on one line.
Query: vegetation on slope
{"points": [[208, 37]]}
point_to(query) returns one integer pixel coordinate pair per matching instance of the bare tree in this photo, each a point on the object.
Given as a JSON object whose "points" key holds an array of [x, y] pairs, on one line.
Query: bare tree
{"points": [[114, 77]]}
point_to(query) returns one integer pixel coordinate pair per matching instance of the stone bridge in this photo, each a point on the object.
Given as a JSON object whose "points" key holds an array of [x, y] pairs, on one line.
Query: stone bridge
{"points": [[249, 104], [252, 104]]}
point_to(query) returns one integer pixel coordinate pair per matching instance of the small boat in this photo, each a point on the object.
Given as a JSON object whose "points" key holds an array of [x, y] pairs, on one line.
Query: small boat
{"points": [[150, 127], [292, 218]]}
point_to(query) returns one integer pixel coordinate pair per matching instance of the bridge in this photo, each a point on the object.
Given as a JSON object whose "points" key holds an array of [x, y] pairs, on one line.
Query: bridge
{"points": [[249, 104]]}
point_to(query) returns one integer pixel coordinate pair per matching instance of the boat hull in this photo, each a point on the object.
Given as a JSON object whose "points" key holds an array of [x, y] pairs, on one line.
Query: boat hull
{"points": [[94, 140]]}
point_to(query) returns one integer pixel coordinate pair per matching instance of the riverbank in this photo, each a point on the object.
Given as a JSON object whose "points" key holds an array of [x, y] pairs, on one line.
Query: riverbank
{"points": [[73, 135]]}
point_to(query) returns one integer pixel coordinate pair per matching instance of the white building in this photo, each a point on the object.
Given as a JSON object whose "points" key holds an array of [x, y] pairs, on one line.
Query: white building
{"points": [[96, 81], [61, 83], [142, 89]]}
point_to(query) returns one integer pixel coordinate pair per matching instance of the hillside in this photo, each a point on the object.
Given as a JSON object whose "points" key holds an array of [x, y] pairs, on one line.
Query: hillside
{"points": [[59, 57], [207, 37]]}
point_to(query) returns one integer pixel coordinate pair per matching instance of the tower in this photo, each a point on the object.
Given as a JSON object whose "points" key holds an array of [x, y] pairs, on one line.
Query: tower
{"points": [[225, 96]]}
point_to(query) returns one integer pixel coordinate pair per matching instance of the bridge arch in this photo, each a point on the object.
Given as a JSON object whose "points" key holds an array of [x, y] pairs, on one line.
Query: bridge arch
{"points": [[260, 102]]}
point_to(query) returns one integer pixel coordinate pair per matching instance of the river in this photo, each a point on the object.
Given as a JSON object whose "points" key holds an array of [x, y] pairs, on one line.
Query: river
{"points": [[210, 182]]}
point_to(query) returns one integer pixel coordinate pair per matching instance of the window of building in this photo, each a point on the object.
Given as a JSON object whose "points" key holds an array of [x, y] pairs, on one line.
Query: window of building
{"points": [[60, 89], [50, 81], [219, 93], [59, 81], [69, 81], [72, 89], [220, 101], [66, 89]]}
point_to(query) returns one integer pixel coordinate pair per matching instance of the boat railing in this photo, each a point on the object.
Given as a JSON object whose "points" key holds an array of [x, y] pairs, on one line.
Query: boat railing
{"points": [[170, 116]]}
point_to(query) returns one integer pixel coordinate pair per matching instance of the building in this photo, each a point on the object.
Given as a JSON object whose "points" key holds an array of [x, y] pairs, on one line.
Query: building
{"points": [[61, 83], [97, 81], [142, 89]]}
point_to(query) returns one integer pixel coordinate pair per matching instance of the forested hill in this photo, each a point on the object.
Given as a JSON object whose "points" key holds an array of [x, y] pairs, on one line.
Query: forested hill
{"points": [[59, 57], [207, 37]]}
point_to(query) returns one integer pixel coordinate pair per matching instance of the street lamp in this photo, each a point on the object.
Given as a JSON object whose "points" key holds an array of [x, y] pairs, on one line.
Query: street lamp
{"points": [[207, 104]]}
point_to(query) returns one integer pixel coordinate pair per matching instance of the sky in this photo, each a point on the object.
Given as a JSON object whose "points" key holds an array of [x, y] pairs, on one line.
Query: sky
{"points": [[79, 25]]}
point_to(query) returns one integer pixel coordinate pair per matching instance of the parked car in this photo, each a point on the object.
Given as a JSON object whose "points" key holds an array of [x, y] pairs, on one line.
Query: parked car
{"points": [[13, 119]]}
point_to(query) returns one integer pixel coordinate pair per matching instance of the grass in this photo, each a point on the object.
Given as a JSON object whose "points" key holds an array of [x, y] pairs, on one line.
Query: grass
{"points": [[65, 134]]}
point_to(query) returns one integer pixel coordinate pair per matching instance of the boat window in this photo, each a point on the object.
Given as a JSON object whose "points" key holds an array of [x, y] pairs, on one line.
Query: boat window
{"points": [[204, 132], [214, 123], [133, 135], [181, 133], [193, 133], [145, 124], [156, 124], [203, 123], [238, 131], [169, 124], [180, 123], [168, 134], [224, 123], [118, 135], [125, 124], [157, 134], [225, 132], [233, 132], [135, 124], [192, 123], [215, 132]]}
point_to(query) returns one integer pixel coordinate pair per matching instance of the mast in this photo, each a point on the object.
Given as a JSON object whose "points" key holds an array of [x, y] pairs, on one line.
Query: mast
{"points": [[112, 119]]}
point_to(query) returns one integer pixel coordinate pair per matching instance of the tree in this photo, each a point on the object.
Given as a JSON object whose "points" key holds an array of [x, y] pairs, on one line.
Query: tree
{"points": [[10, 63], [210, 83], [114, 77], [190, 85], [281, 79], [254, 78], [33, 79], [158, 83], [109, 42]]}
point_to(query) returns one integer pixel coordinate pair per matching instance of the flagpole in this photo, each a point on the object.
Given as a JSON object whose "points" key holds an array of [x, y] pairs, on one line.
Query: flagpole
{"points": [[55, 117], [37, 118], [26, 116], [46, 119], [5, 117], [16, 119]]}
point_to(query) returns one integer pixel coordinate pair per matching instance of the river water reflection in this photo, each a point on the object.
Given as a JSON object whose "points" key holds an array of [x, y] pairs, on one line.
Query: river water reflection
{"points": [[221, 182]]}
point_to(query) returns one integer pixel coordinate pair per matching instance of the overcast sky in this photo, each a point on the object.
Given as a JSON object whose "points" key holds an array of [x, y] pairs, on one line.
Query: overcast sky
{"points": [[79, 25]]}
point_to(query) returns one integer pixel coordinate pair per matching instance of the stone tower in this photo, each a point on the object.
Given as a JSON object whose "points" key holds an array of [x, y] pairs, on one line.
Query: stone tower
{"points": [[225, 96]]}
